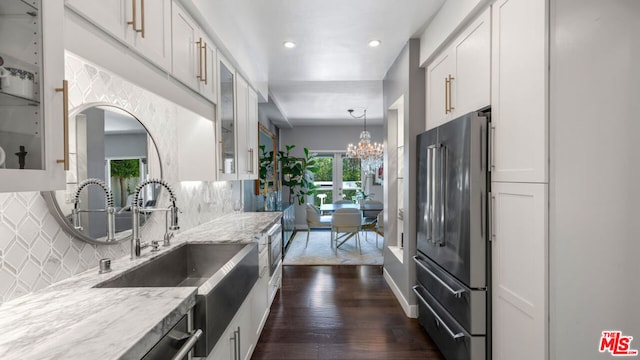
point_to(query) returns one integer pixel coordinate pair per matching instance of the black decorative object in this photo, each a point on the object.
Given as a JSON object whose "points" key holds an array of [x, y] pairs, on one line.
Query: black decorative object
{"points": [[21, 156]]}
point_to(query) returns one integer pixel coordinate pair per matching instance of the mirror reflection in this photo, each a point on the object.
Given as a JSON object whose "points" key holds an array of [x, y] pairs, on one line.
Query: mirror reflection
{"points": [[109, 144]]}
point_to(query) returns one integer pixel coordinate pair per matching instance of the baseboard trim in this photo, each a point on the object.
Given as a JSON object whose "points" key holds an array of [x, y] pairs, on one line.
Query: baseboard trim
{"points": [[409, 310]]}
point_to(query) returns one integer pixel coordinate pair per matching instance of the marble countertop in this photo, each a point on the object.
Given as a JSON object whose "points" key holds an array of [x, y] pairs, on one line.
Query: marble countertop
{"points": [[72, 320]]}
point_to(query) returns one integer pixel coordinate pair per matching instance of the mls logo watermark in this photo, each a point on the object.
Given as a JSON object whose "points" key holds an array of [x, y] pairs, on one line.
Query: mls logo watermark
{"points": [[617, 344]]}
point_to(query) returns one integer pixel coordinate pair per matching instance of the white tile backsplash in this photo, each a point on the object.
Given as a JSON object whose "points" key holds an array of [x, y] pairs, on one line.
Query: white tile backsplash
{"points": [[34, 250]]}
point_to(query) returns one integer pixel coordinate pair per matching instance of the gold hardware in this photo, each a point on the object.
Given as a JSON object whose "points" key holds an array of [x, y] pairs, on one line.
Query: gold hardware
{"points": [[65, 123], [142, 15], [446, 95], [451, 78], [222, 156], [133, 22], [205, 64], [250, 161], [199, 42]]}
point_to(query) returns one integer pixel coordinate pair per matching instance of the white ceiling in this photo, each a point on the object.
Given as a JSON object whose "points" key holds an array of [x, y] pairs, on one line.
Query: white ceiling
{"points": [[332, 68]]}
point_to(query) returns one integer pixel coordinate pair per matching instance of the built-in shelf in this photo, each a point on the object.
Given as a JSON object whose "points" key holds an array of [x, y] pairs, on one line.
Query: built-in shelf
{"points": [[18, 7], [14, 100]]}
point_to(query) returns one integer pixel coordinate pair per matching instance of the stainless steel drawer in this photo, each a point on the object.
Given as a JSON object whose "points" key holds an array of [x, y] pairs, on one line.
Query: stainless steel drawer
{"points": [[469, 307], [452, 340]]}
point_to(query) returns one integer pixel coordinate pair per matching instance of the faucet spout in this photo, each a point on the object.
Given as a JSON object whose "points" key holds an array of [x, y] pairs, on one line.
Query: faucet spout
{"points": [[109, 207], [135, 210]]}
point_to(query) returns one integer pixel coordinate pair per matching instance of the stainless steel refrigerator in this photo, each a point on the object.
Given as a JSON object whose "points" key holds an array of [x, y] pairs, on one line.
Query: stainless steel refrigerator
{"points": [[452, 261]]}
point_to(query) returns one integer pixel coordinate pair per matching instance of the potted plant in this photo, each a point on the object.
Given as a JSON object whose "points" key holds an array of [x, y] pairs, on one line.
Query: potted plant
{"points": [[296, 174]]}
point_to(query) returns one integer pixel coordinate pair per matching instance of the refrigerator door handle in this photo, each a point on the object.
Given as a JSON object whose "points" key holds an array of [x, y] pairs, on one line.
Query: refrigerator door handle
{"points": [[431, 191], [438, 319], [442, 157], [456, 293]]}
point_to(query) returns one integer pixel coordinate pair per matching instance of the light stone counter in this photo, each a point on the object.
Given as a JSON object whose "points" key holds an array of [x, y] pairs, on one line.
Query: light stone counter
{"points": [[72, 320]]}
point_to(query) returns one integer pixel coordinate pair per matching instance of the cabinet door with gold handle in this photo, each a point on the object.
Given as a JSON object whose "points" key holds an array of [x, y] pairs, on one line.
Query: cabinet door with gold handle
{"points": [[65, 123]]}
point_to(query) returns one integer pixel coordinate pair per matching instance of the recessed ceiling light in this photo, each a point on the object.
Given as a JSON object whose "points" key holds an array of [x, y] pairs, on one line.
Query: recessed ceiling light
{"points": [[289, 44], [374, 43]]}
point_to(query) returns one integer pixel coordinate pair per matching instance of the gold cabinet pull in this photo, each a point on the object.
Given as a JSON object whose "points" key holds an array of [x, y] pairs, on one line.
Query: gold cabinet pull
{"points": [[446, 95], [205, 64], [134, 20], [65, 123], [250, 171], [450, 79], [142, 19], [199, 42], [221, 156]]}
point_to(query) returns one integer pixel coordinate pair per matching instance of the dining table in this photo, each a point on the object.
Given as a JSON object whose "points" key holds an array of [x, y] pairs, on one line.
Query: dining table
{"points": [[364, 207]]}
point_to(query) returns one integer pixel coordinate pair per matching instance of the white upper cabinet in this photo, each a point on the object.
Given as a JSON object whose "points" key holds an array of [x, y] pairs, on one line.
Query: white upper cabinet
{"points": [[152, 34], [519, 91], [185, 51], [32, 100], [227, 124], [194, 56], [458, 81], [208, 60], [145, 26], [247, 120]]}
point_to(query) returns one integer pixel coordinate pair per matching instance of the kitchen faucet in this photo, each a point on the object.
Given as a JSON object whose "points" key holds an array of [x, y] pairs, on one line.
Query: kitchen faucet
{"points": [[136, 244], [110, 210]]}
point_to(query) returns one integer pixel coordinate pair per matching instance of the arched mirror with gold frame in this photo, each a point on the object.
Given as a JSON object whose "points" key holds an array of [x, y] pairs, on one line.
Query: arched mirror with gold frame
{"points": [[112, 145]]}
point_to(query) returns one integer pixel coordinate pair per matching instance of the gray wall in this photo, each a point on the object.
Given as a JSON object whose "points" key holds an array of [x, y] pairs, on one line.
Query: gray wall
{"points": [[125, 145], [594, 175], [319, 138], [405, 77], [97, 222]]}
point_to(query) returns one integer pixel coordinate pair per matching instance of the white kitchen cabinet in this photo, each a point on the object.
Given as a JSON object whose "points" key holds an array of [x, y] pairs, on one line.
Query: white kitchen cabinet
{"points": [[458, 81], [247, 136], [239, 339], [242, 120], [275, 283], [227, 124], [32, 113], [519, 270], [184, 34], [194, 56], [260, 301], [519, 104], [196, 147], [144, 26], [209, 62]]}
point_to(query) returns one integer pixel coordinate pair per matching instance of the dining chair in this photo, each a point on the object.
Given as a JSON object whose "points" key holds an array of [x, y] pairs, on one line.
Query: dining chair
{"points": [[372, 214], [343, 202], [379, 226], [315, 220], [345, 224]]}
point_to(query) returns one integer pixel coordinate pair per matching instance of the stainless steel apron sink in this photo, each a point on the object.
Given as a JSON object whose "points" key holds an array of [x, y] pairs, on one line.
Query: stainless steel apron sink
{"points": [[223, 273]]}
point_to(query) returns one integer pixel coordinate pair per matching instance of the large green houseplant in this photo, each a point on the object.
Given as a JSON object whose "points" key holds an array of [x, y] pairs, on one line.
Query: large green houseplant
{"points": [[297, 174]]}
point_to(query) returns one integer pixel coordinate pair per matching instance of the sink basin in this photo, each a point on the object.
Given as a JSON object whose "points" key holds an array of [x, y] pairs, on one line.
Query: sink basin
{"points": [[223, 273]]}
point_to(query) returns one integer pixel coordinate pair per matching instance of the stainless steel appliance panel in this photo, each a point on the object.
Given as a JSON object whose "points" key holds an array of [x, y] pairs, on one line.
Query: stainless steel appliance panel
{"points": [[467, 306], [451, 228], [452, 340], [275, 247]]}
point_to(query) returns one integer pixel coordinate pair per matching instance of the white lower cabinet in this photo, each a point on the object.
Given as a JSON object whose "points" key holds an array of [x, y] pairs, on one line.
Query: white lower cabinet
{"points": [[238, 340], [519, 271], [241, 336]]}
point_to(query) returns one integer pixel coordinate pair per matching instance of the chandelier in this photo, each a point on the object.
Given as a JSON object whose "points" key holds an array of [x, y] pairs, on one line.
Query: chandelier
{"points": [[370, 155]]}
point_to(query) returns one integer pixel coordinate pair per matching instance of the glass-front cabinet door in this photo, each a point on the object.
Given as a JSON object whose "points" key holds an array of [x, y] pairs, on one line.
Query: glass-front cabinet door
{"points": [[31, 108], [227, 167]]}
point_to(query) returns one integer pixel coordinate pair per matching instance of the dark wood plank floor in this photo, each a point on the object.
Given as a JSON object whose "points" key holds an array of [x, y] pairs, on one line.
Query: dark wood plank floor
{"points": [[340, 312]]}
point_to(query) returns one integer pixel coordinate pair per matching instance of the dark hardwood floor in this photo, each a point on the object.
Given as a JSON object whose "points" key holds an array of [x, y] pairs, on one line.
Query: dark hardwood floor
{"points": [[340, 312]]}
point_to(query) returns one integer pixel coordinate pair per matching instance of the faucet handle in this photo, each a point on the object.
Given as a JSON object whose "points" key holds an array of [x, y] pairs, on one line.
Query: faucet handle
{"points": [[155, 246]]}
